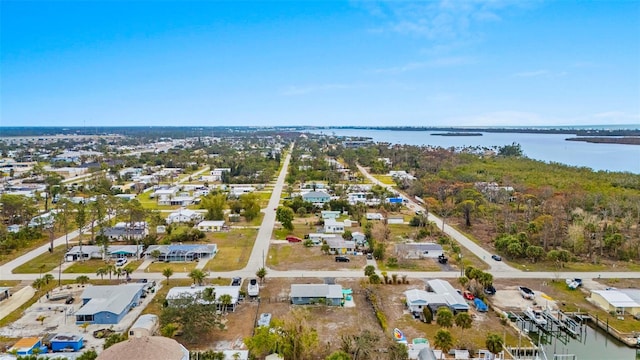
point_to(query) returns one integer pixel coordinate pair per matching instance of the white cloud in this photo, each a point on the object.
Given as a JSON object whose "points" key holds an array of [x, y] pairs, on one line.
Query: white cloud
{"points": [[613, 115]]}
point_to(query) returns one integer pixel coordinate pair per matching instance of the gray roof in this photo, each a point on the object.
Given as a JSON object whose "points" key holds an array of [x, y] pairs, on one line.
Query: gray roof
{"points": [[316, 291], [315, 194], [110, 298], [421, 246], [340, 243], [146, 321], [446, 292]]}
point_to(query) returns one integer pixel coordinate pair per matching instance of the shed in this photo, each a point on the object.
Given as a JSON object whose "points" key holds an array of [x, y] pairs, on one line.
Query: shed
{"points": [[66, 342], [146, 325], [25, 346]]}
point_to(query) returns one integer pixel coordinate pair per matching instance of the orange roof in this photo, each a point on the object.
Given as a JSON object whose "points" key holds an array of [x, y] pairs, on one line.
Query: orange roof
{"points": [[26, 343]]}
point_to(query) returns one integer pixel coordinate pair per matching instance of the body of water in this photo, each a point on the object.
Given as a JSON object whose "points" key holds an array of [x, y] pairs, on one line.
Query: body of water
{"points": [[544, 147], [595, 344]]}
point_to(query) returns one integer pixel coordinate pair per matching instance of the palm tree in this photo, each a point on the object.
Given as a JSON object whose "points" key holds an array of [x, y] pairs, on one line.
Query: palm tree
{"points": [[102, 271], [82, 279], [443, 340], [167, 272], [111, 269], [225, 301], [463, 321], [261, 274], [47, 278], [197, 276], [494, 343], [444, 317], [38, 283], [119, 272], [464, 281]]}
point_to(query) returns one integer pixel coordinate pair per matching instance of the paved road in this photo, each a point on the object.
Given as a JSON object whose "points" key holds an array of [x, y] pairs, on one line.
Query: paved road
{"points": [[484, 255], [261, 246]]}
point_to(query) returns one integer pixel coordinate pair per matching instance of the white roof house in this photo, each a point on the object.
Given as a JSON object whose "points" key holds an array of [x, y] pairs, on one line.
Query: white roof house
{"points": [[184, 215], [333, 226], [194, 291], [210, 225]]}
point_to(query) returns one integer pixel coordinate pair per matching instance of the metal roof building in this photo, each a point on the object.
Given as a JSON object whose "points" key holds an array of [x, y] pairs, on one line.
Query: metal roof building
{"points": [[108, 304]]}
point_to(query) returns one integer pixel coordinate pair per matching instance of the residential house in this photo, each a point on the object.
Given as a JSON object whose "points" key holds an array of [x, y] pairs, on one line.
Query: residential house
{"points": [[374, 216], [441, 293], [180, 199], [419, 250], [338, 245], [331, 226], [216, 174], [401, 174], [416, 300], [318, 238], [316, 197], [237, 191], [45, 220], [178, 292], [210, 225], [328, 214], [359, 238], [305, 294], [190, 252], [108, 304], [620, 301], [122, 231], [183, 215]]}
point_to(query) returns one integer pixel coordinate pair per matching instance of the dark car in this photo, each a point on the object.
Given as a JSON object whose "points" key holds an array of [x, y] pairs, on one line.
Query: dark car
{"points": [[236, 281], [342, 259], [496, 257], [69, 300], [490, 290]]}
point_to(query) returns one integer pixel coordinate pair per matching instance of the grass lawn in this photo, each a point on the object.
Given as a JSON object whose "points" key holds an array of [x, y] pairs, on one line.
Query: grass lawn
{"points": [[151, 204], [526, 265], [9, 283], [385, 179], [43, 263], [91, 266], [177, 267], [234, 249]]}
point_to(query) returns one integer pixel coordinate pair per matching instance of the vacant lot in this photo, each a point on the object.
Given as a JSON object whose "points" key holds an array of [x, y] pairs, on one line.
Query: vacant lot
{"points": [[296, 256], [234, 249], [43, 263]]}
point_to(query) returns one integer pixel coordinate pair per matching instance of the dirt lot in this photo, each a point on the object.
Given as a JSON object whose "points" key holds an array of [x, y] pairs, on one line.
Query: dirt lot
{"points": [[295, 256]]}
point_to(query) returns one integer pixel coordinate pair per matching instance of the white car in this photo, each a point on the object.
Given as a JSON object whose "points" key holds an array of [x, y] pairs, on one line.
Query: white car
{"points": [[121, 261], [253, 289]]}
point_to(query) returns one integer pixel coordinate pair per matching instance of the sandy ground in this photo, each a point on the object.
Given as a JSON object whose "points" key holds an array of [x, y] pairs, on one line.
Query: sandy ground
{"points": [[509, 299], [16, 300], [57, 317]]}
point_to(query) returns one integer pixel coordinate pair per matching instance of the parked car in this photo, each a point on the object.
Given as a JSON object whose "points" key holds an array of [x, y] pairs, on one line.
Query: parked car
{"points": [[69, 300], [121, 261], [490, 290], [468, 295], [369, 256], [342, 259], [236, 281], [442, 259], [526, 292], [496, 257], [293, 239]]}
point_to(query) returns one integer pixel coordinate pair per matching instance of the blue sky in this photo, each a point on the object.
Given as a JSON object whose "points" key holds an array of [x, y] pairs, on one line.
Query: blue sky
{"points": [[435, 63]]}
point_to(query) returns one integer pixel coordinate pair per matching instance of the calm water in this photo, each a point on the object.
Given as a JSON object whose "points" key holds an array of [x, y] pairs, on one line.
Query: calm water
{"points": [[594, 345], [545, 147]]}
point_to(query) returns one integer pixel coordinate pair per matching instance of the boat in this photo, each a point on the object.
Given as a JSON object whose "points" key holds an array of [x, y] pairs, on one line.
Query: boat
{"points": [[535, 314], [253, 289], [573, 283]]}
